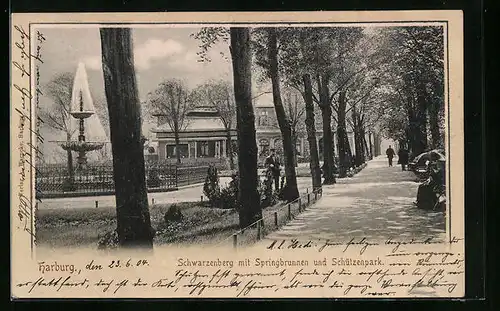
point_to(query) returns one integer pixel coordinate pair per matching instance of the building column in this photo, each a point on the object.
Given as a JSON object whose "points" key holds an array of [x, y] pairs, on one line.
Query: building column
{"points": [[224, 148], [217, 149], [195, 149], [302, 146]]}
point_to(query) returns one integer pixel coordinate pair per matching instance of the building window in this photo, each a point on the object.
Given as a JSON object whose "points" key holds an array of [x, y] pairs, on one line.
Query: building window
{"points": [[203, 146], [278, 145], [264, 147], [298, 147], [171, 151], [206, 149], [263, 118]]}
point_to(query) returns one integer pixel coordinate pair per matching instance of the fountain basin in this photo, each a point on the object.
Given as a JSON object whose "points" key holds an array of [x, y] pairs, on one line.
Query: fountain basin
{"points": [[81, 146], [81, 114]]}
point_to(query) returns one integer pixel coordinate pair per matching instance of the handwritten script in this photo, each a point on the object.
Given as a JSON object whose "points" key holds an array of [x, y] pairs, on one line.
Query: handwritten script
{"points": [[410, 268], [27, 132]]}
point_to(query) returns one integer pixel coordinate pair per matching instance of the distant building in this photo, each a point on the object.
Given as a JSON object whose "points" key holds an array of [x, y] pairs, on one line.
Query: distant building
{"points": [[203, 137], [269, 134]]}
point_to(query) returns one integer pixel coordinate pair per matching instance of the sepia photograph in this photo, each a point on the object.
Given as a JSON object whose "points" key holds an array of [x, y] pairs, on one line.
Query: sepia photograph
{"points": [[200, 133]]}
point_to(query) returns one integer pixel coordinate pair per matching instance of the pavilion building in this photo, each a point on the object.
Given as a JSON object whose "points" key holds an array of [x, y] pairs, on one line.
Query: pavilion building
{"points": [[205, 137]]}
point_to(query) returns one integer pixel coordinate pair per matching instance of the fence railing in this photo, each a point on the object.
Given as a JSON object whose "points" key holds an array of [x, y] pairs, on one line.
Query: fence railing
{"points": [[191, 175], [272, 219], [220, 163], [54, 180]]}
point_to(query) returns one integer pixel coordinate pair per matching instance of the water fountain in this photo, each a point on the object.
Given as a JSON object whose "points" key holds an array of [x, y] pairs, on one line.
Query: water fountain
{"points": [[81, 110], [81, 146]]}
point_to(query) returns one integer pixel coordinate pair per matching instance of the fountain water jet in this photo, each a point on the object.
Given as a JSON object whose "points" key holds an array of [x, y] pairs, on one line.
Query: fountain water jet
{"points": [[81, 110]]}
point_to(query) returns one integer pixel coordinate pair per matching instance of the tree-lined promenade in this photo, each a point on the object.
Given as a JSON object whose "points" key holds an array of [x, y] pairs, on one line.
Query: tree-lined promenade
{"points": [[371, 81]]}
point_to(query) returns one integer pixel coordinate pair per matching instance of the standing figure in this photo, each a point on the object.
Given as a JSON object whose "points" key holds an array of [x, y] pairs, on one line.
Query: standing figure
{"points": [[403, 156], [272, 163], [390, 154]]}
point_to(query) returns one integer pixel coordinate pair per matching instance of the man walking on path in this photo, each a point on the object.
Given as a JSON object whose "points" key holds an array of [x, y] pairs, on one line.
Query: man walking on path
{"points": [[403, 156], [390, 154]]}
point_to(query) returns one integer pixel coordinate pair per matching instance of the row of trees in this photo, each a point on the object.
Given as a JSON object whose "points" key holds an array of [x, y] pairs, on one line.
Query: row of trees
{"points": [[387, 79], [390, 79], [415, 105]]}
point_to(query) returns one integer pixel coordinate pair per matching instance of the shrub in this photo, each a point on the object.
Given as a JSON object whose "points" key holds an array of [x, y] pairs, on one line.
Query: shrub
{"points": [[267, 197], [173, 214], [108, 240], [68, 185], [211, 188]]}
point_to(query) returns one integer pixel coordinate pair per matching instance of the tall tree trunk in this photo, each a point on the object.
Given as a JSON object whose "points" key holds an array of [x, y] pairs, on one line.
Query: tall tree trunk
{"points": [[290, 191], [437, 140], [326, 113], [349, 149], [358, 139], [420, 121], [377, 141], [412, 133], [294, 143], [71, 171], [248, 197], [366, 150], [311, 133], [343, 142], [229, 148], [132, 212], [177, 143], [71, 174], [408, 139]]}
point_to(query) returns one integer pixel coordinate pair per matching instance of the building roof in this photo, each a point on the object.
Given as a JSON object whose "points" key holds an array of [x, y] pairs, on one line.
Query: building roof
{"points": [[264, 105], [196, 124]]}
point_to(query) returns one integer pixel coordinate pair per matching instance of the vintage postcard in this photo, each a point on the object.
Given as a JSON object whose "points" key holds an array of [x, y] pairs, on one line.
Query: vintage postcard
{"points": [[237, 155]]}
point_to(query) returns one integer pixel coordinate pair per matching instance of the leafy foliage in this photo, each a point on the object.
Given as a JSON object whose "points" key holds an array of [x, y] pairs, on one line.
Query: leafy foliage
{"points": [[225, 198], [219, 95], [211, 187], [173, 214], [208, 37], [267, 196], [108, 240], [229, 194], [57, 116]]}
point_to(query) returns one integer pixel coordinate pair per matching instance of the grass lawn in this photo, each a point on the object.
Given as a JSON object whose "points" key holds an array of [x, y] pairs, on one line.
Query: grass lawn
{"points": [[80, 227]]}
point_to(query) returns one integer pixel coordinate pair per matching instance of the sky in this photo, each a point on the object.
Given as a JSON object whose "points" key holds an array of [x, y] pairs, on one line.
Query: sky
{"points": [[159, 53]]}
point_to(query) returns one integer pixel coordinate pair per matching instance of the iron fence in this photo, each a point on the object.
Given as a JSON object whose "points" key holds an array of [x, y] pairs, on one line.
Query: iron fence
{"points": [[191, 175], [272, 219], [54, 180], [220, 163]]}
